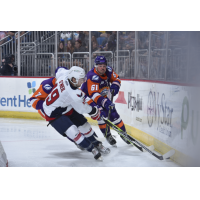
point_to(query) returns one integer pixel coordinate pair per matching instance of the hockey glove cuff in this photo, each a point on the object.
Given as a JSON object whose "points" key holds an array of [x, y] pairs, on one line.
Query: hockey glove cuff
{"points": [[115, 88], [109, 104], [96, 115]]}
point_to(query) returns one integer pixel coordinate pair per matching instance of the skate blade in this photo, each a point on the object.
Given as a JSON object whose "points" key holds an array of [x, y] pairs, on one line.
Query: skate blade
{"points": [[114, 145]]}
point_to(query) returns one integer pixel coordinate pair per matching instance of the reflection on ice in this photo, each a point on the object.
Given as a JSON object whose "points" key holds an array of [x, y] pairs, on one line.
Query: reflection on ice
{"points": [[30, 143]]}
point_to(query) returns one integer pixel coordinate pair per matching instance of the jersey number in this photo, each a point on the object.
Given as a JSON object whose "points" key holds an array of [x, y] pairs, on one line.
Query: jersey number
{"points": [[51, 99], [94, 87]]}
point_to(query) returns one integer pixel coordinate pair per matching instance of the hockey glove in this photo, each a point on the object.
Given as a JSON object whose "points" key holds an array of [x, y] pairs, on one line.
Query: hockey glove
{"points": [[115, 88], [109, 104], [96, 115]]}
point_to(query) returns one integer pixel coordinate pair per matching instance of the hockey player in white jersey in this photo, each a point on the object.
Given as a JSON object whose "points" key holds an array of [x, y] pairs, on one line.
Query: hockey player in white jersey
{"points": [[64, 107]]}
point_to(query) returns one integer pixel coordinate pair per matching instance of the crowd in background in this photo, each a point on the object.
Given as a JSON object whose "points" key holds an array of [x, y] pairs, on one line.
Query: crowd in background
{"points": [[159, 54], [78, 41], [4, 35]]}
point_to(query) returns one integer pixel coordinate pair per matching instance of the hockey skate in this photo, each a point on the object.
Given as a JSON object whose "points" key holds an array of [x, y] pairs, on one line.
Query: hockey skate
{"points": [[111, 140], [102, 149], [97, 154], [125, 140]]}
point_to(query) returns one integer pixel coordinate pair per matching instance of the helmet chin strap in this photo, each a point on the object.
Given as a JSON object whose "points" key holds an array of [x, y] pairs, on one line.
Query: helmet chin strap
{"points": [[75, 84]]}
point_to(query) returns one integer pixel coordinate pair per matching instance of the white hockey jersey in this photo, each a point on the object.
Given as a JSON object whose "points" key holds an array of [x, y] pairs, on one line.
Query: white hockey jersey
{"points": [[64, 98]]}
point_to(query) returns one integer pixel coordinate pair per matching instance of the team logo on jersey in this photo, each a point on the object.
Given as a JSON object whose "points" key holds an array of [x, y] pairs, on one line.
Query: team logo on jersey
{"points": [[95, 78], [31, 87], [47, 87], [104, 92], [80, 95], [109, 69]]}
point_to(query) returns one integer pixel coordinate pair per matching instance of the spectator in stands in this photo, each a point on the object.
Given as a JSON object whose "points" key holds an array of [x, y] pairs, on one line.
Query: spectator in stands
{"points": [[2, 35], [129, 40], [61, 57], [106, 35], [10, 33], [8, 68], [95, 46], [79, 48], [123, 37], [79, 57], [110, 42], [85, 40], [70, 46], [13, 33], [70, 49], [61, 47], [94, 39], [81, 35], [113, 37]]}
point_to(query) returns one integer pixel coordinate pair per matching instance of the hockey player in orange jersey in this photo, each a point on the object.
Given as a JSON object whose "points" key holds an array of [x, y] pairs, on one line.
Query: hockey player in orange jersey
{"points": [[97, 87], [41, 94]]}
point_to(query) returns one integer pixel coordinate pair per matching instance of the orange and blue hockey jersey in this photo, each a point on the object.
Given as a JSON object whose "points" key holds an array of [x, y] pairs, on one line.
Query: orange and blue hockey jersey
{"points": [[97, 86], [42, 92]]}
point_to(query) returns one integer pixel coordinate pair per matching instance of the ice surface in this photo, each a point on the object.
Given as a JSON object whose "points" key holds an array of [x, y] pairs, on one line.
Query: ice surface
{"points": [[30, 143]]}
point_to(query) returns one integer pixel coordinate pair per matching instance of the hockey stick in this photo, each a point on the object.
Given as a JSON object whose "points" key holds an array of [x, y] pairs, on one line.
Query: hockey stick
{"points": [[132, 140], [109, 112]]}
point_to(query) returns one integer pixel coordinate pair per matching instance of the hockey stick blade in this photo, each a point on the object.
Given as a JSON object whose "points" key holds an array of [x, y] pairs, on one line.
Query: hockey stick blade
{"points": [[169, 154], [151, 147], [162, 157], [122, 133]]}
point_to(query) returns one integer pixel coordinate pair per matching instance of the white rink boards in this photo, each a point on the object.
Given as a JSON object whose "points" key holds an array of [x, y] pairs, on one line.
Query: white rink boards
{"points": [[159, 114]]}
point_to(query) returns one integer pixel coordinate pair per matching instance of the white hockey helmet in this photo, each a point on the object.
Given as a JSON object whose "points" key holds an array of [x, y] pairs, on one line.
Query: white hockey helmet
{"points": [[77, 73]]}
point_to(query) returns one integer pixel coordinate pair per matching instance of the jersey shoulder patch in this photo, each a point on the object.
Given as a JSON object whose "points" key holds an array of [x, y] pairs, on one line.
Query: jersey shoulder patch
{"points": [[95, 77], [47, 87]]}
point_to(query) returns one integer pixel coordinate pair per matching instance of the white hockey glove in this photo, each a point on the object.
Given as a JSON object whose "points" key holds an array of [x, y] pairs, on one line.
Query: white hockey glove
{"points": [[96, 115]]}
